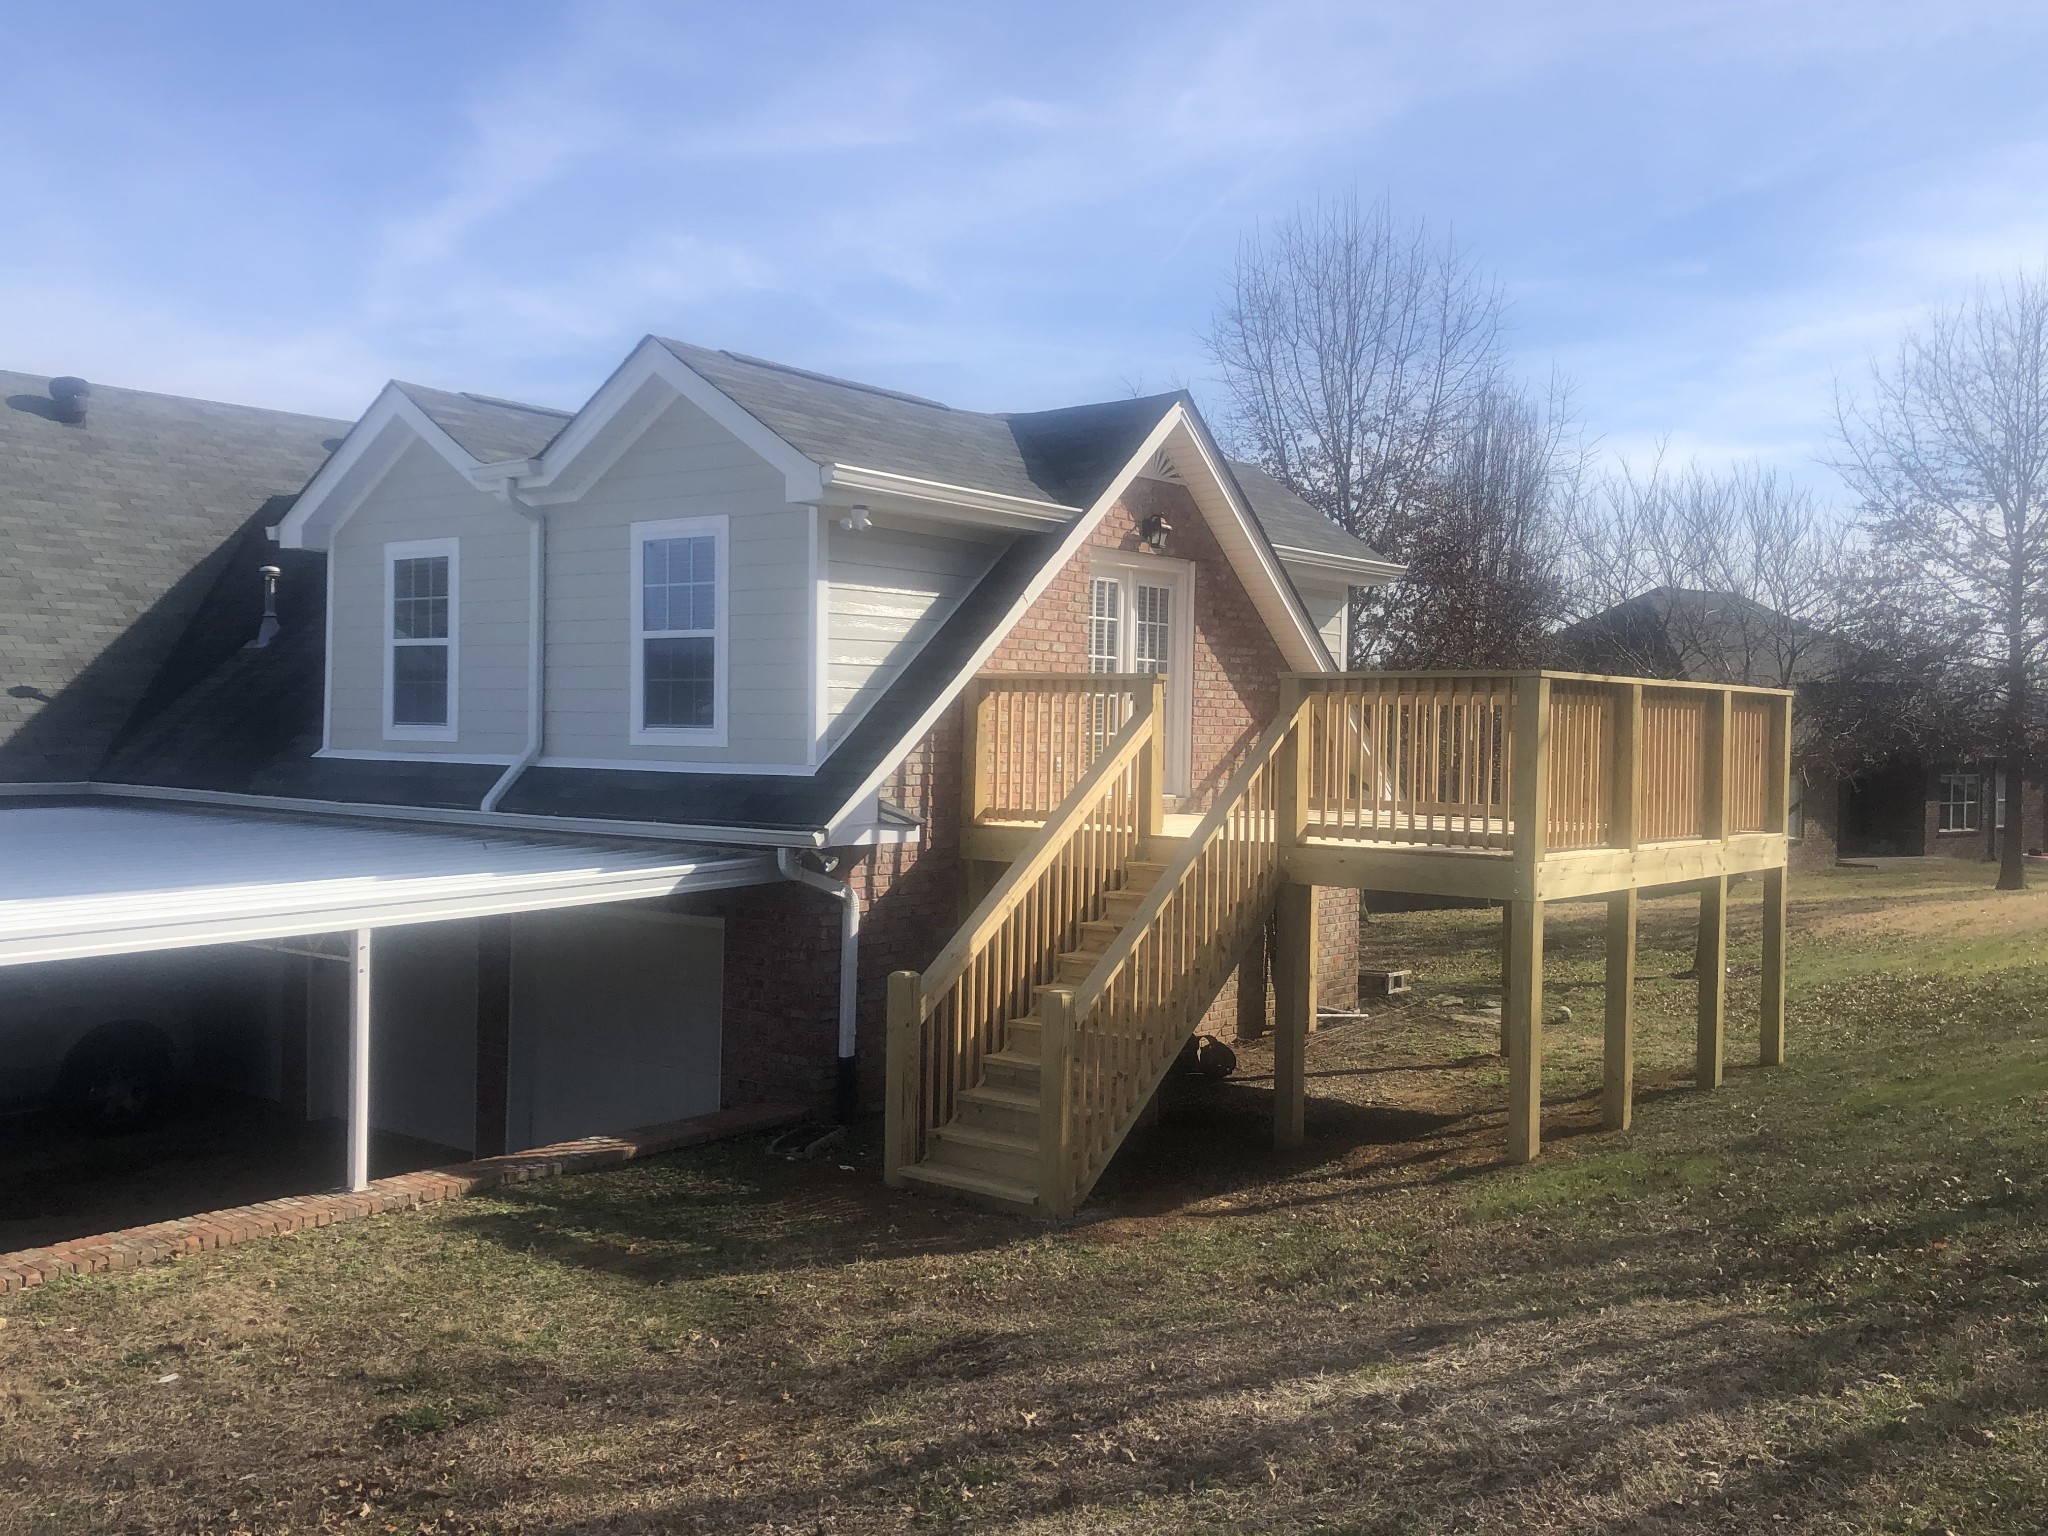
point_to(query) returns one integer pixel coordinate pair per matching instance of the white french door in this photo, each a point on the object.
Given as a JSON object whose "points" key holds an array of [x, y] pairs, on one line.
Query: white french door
{"points": [[1139, 620]]}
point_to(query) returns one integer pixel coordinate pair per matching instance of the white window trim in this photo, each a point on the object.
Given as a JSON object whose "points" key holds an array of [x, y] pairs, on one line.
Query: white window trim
{"points": [[639, 733], [1179, 576], [415, 549]]}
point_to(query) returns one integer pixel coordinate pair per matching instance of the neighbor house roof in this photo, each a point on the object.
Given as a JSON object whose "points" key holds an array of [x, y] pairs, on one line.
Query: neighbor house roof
{"points": [[112, 530], [1699, 636]]}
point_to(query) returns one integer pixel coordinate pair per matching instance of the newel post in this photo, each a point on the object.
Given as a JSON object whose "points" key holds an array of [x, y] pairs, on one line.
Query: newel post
{"points": [[904, 1064], [976, 706], [1055, 1116], [1716, 740], [1152, 764], [1291, 781]]}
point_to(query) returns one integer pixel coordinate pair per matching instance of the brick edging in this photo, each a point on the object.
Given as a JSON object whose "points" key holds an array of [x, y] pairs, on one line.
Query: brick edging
{"points": [[111, 1253]]}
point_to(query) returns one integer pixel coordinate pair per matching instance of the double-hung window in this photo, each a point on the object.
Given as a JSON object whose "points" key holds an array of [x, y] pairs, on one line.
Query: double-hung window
{"points": [[1962, 802], [679, 631], [419, 646]]}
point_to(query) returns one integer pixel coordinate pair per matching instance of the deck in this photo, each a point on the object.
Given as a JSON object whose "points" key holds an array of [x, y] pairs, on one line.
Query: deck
{"points": [[1103, 926]]}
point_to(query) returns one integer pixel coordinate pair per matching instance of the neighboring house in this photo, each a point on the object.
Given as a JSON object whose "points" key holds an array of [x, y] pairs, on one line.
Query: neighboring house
{"points": [[701, 643], [1909, 804]]}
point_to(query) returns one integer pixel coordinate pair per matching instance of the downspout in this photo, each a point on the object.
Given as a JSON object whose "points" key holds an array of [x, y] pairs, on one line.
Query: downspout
{"points": [[536, 649], [792, 868]]}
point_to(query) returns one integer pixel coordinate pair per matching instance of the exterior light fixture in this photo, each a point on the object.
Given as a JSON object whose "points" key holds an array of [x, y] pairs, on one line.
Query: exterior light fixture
{"points": [[856, 520], [1153, 532]]}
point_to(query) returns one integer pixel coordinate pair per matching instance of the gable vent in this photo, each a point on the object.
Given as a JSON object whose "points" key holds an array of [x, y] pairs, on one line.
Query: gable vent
{"points": [[1160, 467]]}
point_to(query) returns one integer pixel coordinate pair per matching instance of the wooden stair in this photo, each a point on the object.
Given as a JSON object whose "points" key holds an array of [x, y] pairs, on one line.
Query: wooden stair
{"points": [[989, 1151]]}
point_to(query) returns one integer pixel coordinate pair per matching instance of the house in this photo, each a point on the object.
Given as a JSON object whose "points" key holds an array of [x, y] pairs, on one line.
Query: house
{"points": [[1894, 800], [749, 735], [725, 610]]}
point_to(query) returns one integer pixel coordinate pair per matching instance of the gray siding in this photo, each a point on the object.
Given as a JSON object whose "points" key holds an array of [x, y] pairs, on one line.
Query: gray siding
{"points": [[424, 498], [683, 465], [889, 591]]}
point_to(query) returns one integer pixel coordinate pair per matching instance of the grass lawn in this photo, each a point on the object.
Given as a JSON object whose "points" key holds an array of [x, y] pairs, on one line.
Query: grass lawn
{"points": [[1810, 1302]]}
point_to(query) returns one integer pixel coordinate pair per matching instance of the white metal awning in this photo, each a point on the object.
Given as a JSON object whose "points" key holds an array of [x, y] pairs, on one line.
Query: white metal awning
{"points": [[78, 880]]}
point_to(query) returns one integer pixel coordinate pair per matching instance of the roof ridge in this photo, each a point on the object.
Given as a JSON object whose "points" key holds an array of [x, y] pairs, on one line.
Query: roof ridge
{"points": [[831, 378], [164, 394], [515, 405]]}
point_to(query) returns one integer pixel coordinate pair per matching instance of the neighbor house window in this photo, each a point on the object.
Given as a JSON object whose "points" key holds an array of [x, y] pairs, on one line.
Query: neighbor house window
{"points": [[419, 647], [1962, 802], [679, 622]]}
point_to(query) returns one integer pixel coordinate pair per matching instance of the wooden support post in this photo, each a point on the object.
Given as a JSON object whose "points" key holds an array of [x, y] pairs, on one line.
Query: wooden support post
{"points": [[903, 1063], [1625, 816], [1152, 767], [493, 1033], [1712, 964], [1772, 1042], [1507, 968], [1294, 1002], [1055, 1116], [1618, 1076], [359, 1061], [1524, 1015], [1251, 985]]}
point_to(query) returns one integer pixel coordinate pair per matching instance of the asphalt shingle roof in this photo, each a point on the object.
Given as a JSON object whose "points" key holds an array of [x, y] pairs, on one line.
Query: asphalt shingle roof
{"points": [[493, 430], [111, 533]]}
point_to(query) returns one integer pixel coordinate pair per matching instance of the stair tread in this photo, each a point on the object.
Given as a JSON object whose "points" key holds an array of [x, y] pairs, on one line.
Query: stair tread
{"points": [[1013, 1058], [982, 1136], [973, 1182], [1008, 1098]]}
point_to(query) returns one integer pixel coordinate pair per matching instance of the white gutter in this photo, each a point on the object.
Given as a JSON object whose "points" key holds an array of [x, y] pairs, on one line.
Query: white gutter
{"points": [[506, 821], [536, 650], [787, 862]]}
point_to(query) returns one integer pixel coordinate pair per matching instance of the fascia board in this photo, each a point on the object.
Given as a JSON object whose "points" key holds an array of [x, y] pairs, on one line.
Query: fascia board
{"points": [[337, 489], [982, 508], [1310, 651], [1358, 569], [430, 900], [566, 467]]}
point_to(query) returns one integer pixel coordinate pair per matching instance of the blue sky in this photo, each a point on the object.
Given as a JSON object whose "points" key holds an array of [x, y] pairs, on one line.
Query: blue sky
{"points": [[1702, 212]]}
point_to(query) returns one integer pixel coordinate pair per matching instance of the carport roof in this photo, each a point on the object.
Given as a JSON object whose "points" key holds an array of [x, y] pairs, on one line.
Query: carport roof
{"points": [[81, 880]]}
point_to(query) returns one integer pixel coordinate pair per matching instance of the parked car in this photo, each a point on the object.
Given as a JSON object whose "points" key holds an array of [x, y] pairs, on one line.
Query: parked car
{"points": [[111, 1040]]}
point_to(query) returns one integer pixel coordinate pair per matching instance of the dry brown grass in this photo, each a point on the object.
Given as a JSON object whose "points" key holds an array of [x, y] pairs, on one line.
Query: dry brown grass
{"points": [[1808, 1303]]}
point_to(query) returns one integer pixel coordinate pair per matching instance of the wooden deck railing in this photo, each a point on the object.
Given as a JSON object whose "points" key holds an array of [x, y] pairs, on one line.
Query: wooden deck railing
{"points": [[1105, 1046], [987, 974], [1473, 760], [1031, 735]]}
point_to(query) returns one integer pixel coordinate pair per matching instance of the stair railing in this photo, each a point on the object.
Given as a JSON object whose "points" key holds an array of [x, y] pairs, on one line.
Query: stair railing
{"points": [[944, 1023], [1105, 1047]]}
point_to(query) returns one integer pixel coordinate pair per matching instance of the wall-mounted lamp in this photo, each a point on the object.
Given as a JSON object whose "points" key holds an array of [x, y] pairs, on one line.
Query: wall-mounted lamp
{"points": [[1153, 532], [856, 520]]}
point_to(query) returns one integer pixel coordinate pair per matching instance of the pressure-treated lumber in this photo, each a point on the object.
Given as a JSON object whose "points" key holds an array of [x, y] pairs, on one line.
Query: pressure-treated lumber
{"points": [[1712, 965], [1524, 1010], [1772, 1032], [1294, 1001], [1618, 1065], [903, 1070]]}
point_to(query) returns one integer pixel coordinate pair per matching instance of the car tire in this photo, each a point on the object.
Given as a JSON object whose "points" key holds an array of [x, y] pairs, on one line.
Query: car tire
{"points": [[117, 1078]]}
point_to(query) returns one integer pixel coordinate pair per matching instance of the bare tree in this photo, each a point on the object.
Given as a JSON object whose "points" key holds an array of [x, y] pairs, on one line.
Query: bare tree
{"points": [[1737, 574], [1352, 346], [1484, 537], [1948, 453]]}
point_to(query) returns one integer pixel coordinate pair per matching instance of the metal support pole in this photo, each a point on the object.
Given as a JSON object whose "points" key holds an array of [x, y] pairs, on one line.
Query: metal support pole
{"points": [[359, 1061]]}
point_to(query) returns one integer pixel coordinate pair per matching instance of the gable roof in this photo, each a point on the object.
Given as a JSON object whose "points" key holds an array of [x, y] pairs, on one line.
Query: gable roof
{"points": [[111, 533], [488, 429]]}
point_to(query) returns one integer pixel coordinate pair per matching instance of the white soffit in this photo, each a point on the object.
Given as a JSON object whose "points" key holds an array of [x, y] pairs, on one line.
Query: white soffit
{"points": [[81, 880]]}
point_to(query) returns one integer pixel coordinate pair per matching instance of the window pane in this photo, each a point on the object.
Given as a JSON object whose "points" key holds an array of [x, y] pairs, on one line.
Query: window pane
{"points": [[1153, 611], [678, 686], [419, 685], [679, 584], [419, 598], [1105, 625]]}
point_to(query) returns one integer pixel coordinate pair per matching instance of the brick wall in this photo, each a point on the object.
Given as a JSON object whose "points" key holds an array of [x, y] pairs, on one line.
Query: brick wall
{"points": [[781, 942]]}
